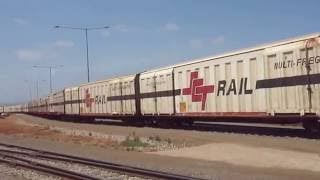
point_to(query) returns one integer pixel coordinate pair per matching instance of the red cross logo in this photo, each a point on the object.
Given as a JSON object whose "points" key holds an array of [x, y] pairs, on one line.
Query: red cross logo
{"points": [[87, 100], [197, 90]]}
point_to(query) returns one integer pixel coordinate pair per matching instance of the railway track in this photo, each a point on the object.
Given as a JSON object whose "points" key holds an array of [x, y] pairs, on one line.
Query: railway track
{"points": [[38, 160], [277, 130]]}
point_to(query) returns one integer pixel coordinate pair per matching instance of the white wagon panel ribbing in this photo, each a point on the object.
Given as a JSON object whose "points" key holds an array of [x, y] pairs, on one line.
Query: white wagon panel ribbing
{"points": [[147, 87], [75, 100], [57, 101], [164, 91], [127, 90], [72, 101], [231, 71], [267, 80], [156, 92], [105, 98], [115, 91], [68, 99], [92, 98]]}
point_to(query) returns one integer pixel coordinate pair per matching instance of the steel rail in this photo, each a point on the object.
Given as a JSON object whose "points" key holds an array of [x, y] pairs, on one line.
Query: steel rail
{"points": [[29, 164], [96, 163]]}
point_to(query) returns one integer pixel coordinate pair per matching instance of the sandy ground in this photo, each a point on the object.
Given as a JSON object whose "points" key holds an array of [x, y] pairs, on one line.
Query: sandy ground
{"points": [[209, 155], [250, 156]]}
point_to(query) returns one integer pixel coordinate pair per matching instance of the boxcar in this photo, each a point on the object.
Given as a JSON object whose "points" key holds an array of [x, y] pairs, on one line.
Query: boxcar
{"points": [[108, 98], [270, 81]]}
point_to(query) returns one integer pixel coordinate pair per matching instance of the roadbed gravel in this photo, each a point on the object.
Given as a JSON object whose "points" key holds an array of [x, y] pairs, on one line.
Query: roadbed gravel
{"points": [[211, 155]]}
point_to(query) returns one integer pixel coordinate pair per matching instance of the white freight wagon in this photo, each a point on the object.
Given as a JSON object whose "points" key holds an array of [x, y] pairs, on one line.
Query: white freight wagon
{"points": [[109, 97], [268, 80]]}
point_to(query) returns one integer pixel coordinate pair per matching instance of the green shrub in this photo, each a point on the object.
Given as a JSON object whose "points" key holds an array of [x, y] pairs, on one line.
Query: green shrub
{"points": [[157, 138], [133, 142]]}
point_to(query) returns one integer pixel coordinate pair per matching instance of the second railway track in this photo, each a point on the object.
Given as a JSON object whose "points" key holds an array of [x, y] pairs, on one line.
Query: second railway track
{"points": [[52, 163]]}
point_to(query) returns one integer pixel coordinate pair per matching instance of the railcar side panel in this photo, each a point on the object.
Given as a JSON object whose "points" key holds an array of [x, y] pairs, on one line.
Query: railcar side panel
{"points": [[265, 82], [147, 93], [287, 80], [164, 92], [57, 103], [127, 95], [75, 100], [115, 86], [68, 100], [220, 86], [72, 101]]}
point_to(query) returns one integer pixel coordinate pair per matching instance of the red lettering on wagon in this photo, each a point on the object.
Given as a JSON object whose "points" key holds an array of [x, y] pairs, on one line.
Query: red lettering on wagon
{"points": [[197, 90], [88, 100]]}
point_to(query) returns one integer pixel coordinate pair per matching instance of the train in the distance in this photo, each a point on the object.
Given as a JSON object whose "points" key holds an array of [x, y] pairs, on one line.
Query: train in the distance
{"points": [[272, 83]]}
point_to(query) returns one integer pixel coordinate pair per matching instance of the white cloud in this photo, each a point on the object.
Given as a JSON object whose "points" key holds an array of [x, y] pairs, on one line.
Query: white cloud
{"points": [[64, 44], [19, 21], [196, 43], [3, 76], [171, 27], [105, 33], [29, 54], [199, 43], [218, 40], [115, 28], [43, 51], [121, 28]]}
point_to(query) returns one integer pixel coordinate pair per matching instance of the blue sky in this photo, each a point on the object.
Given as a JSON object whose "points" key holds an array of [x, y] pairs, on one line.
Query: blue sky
{"points": [[144, 34]]}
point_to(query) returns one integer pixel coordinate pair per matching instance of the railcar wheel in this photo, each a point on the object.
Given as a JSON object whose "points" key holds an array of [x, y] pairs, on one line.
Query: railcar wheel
{"points": [[163, 123], [311, 126]]}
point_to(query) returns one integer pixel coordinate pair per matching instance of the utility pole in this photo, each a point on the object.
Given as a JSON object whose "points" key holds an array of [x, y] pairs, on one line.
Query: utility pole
{"points": [[85, 29], [50, 73]]}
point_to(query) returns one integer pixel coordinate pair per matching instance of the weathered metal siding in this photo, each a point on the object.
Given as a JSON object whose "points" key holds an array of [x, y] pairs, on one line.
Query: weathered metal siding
{"points": [[58, 102], [232, 73], [164, 91], [147, 87], [239, 73], [115, 91], [127, 90], [68, 100], [292, 99], [88, 98], [108, 97], [156, 92], [75, 100], [72, 101]]}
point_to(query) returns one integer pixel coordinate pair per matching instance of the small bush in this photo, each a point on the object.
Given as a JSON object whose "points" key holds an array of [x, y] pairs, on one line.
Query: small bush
{"points": [[151, 138], [157, 138], [169, 141], [133, 142]]}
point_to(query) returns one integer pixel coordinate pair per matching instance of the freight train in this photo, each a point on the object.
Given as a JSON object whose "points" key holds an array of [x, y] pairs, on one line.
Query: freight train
{"points": [[272, 83]]}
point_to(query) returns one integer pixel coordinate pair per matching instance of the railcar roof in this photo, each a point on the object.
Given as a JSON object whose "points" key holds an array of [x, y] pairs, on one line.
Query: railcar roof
{"points": [[242, 51], [105, 80], [256, 48], [232, 53]]}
